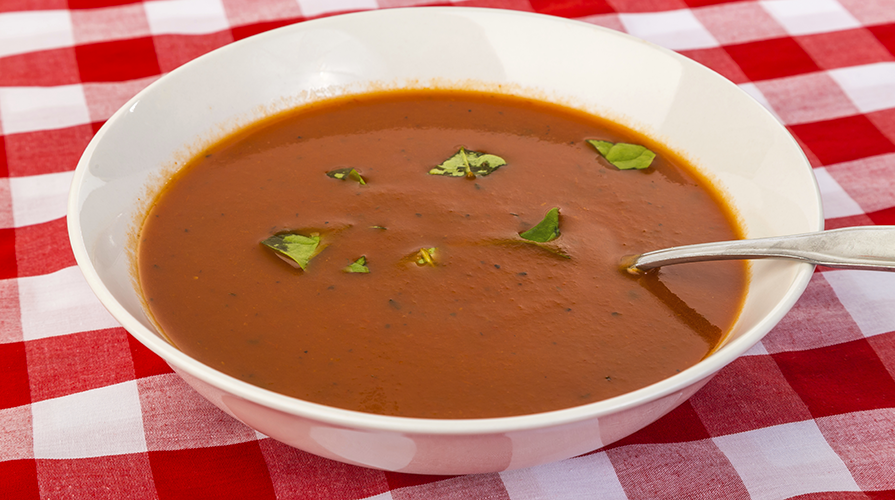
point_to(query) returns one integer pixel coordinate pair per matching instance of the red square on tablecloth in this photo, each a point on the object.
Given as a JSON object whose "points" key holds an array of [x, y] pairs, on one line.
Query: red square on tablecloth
{"points": [[811, 97], [833, 380], [31, 68], [175, 50], [8, 265], [704, 3], [4, 167], [884, 345], [109, 477], [18, 480], [235, 472], [297, 474], [885, 33], [117, 60], [843, 139], [390, 4], [718, 60], [681, 424], [245, 31], [522, 5], [97, 4], [398, 480], [67, 364], [774, 58], [839, 49], [632, 6], [24, 5], [750, 393], [883, 217], [46, 151], [695, 469], [885, 121], [476, 485], [42, 248], [739, 22], [571, 8], [818, 319], [14, 387], [146, 362]]}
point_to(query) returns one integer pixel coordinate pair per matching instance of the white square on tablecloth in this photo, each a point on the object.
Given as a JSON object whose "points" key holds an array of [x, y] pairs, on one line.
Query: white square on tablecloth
{"points": [[60, 303], [39, 198], [104, 98], [22, 32], [755, 93], [186, 17], [871, 86], [675, 30], [868, 296], [590, 476], [312, 8], [15, 433], [27, 109], [836, 202], [786, 460], [811, 97], [805, 17], [111, 23], [98, 422]]}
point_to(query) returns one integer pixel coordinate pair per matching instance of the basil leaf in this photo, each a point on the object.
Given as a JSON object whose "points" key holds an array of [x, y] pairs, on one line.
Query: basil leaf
{"points": [[358, 266], [347, 173], [468, 164], [546, 230], [426, 256], [297, 247], [623, 155]]}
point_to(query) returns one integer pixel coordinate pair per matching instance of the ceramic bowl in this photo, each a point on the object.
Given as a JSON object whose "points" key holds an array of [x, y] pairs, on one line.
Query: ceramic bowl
{"points": [[728, 136]]}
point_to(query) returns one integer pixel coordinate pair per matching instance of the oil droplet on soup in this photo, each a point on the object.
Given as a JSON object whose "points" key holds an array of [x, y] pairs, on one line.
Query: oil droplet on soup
{"points": [[417, 295]]}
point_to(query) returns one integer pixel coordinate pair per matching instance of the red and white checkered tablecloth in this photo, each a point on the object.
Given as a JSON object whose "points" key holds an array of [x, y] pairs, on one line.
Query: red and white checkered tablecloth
{"points": [[87, 413]]}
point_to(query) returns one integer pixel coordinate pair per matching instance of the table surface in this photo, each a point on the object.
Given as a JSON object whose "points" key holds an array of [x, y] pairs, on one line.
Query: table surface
{"points": [[86, 412]]}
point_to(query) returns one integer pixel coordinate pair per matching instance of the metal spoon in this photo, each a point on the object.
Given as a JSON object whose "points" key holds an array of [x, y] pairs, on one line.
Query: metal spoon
{"points": [[870, 248]]}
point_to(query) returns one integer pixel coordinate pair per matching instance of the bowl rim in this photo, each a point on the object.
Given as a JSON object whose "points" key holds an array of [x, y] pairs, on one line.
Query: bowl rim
{"points": [[412, 425]]}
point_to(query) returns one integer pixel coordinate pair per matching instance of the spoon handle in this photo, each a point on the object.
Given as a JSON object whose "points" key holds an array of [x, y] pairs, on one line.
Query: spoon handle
{"points": [[870, 248]]}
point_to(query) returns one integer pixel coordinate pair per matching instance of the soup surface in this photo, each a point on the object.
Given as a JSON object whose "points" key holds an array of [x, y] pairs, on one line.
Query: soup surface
{"points": [[459, 316]]}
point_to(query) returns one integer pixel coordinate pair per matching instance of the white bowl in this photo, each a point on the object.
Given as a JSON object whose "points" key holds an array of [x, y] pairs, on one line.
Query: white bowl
{"points": [[691, 109]]}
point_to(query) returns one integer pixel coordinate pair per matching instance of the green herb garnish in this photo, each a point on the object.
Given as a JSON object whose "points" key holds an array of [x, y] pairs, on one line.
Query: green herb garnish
{"points": [[469, 164], [347, 173], [358, 266], [546, 230], [623, 155], [426, 257], [297, 247]]}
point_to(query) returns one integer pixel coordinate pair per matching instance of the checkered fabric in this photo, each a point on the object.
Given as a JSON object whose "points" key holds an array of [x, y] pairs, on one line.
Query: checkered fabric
{"points": [[88, 413]]}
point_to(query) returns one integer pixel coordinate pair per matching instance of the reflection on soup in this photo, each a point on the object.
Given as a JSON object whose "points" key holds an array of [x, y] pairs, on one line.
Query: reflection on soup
{"points": [[419, 289]]}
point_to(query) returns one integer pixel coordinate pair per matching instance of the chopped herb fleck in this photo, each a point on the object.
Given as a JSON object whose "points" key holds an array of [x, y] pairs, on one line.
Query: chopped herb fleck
{"points": [[347, 173]]}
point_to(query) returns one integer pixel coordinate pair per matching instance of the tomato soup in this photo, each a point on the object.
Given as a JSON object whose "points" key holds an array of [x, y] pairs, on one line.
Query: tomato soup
{"points": [[422, 297]]}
